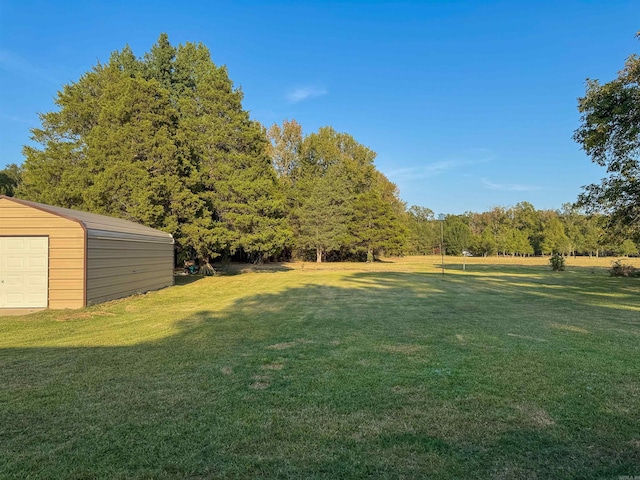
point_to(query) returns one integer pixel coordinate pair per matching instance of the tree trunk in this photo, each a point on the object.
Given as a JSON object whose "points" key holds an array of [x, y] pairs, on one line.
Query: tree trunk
{"points": [[318, 255]]}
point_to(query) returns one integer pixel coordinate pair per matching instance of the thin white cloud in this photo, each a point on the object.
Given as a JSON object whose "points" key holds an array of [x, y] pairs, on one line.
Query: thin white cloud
{"points": [[434, 168], [303, 93], [509, 187], [14, 63]]}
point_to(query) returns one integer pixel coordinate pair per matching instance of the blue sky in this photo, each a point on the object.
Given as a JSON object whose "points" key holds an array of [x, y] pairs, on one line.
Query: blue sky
{"points": [[469, 104]]}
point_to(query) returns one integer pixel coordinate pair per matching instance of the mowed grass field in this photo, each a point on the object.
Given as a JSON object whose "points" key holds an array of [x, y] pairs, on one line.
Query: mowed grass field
{"points": [[388, 370]]}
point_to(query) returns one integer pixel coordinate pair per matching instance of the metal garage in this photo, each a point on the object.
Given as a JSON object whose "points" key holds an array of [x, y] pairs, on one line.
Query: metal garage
{"points": [[52, 257]]}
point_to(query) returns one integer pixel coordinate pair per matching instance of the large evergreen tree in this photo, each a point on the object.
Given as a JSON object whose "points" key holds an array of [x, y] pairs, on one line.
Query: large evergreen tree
{"points": [[162, 140], [376, 223], [322, 210]]}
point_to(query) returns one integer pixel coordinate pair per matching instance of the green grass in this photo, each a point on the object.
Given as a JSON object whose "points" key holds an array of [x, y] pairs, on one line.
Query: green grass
{"points": [[339, 371]]}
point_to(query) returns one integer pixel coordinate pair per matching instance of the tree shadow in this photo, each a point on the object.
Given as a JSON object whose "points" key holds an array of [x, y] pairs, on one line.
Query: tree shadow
{"points": [[233, 269], [181, 280], [384, 375]]}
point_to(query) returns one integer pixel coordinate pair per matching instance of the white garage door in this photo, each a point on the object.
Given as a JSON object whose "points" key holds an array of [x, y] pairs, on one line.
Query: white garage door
{"points": [[24, 268]]}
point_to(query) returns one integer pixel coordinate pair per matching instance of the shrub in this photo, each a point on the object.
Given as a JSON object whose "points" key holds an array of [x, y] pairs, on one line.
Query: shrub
{"points": [[557, 262], [619, 269]]}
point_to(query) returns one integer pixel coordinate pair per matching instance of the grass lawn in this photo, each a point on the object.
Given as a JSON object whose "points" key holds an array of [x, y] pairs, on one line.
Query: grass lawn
{"points": [[389, 370]]}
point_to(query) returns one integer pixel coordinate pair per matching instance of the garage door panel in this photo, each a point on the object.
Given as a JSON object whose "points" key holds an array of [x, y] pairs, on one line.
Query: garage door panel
{"points": [[15, 299], [24, 269], [26, 300], [14, 244], [36, 298], [14, 280], [15, 262], [36, 281], [38, 262]]}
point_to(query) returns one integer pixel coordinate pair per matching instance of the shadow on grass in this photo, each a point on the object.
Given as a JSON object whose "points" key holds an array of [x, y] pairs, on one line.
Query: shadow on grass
{"points": [[386, 375], [232, 269], [187, 279]]}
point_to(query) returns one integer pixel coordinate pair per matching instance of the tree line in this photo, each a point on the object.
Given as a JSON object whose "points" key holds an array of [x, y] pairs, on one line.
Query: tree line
{"points": [[520, 230], [163, 140]]}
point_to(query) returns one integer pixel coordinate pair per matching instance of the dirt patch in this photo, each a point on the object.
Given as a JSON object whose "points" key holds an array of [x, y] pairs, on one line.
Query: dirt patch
{"points": [[335, 342], [461, 339], [261, 382], [273, 366], [259, 385], [535, 416], [226, 370]]}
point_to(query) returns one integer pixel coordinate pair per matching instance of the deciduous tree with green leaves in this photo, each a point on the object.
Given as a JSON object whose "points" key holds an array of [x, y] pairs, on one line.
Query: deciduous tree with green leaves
{"points": [[457, 234], [332, 169], [424, 234], [554, 238], [285, 143], [610, 134], [10, 178]]}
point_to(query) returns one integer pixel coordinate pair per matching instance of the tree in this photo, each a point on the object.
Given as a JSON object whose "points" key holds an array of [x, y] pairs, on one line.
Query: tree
{"points": [[162, 140], [333, 170], [554, 239], [526, 219], [423, 234], [457, 234], [321, 216], [520, 243], [504, 239], [375, 226], [284, 147], [486, 243], [610, 134], [232, 166], [627, 247], [573, 221], [592, 232], [10, 178]]}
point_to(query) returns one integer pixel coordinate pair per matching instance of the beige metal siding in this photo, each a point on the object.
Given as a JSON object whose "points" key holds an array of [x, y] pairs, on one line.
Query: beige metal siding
{"points": [[117, 268], [66, 249]]}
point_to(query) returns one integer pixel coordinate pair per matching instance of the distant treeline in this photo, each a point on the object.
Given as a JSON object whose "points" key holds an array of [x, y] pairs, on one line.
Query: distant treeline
{"points": [[163, 140], [520, 230]]}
